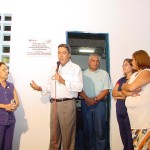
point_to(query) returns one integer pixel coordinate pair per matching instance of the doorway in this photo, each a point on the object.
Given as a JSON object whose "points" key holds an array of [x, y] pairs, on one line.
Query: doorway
{"points": [[82, 45]]}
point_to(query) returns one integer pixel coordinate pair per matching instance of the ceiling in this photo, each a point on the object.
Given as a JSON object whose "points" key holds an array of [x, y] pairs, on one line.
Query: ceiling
{"points": [[86, 40]]}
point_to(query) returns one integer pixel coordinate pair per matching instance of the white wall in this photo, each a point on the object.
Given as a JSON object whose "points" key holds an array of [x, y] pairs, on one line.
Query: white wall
{"points": [[127, 23]]}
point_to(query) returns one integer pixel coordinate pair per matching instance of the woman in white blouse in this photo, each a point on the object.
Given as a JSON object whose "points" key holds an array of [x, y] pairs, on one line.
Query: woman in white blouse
{"points": [[137, 92]]}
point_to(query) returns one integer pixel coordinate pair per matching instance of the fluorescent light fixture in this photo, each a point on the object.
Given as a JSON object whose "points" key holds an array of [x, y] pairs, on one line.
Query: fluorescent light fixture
{"points": [[86, 50]]}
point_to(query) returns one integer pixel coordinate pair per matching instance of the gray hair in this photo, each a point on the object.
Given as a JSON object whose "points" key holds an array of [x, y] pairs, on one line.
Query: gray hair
{"points": [[94, 54]]}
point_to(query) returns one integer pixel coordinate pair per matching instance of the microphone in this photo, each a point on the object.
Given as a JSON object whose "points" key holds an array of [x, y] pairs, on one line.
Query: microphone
{"points": [[58, 63]]}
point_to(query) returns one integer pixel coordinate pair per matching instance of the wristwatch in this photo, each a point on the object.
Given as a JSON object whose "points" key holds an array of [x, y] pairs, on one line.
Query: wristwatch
{"points": [[95, 99]]}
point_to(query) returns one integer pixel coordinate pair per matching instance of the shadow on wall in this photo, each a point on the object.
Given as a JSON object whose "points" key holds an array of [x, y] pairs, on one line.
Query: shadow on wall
{"points": [[21, 123], [21, 126]]}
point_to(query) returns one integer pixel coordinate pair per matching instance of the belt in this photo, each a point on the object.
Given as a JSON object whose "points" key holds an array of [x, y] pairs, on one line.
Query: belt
{"points": [[61, 99]]}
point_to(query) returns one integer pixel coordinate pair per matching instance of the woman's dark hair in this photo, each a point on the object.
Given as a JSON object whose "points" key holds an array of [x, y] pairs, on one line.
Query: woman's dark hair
{"points": [[2, 63], [142, 58], [130, 62]]}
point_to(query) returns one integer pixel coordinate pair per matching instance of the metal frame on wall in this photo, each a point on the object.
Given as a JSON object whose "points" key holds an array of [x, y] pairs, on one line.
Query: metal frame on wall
{"points": [[5, 37]]}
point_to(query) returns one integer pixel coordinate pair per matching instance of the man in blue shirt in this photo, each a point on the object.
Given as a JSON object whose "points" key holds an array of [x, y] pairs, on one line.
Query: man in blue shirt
{"points": [[96, 86]]}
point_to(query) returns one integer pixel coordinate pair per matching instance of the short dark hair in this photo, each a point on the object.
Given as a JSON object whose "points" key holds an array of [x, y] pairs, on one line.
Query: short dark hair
{"points": [[66, 46]]}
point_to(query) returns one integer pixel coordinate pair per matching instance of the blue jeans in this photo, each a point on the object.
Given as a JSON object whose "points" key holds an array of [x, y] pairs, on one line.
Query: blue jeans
{"points": [[124, 125], [94, 118]]}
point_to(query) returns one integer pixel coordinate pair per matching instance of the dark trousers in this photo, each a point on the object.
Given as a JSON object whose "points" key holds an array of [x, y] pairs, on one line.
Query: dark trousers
{"points": [[94, 118], [6, 136], [125, 131]]}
